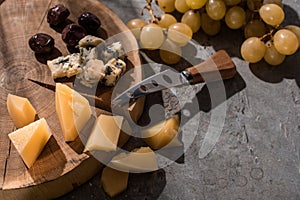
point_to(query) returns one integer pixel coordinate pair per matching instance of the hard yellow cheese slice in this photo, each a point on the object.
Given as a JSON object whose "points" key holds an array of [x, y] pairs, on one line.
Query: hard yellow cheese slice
{"points": [[163, 134], [113, 181], [139, 160], [105, 133], [20, 110], [30, 140], [73, 111]]}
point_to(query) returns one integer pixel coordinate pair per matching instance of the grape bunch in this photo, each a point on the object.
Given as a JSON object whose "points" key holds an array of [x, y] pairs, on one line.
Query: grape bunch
{"points": [[266, 39], [260, 20]]}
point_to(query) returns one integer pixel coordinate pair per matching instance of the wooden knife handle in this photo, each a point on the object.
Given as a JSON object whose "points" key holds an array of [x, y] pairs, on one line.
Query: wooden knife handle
{"points": [[218, 67]]}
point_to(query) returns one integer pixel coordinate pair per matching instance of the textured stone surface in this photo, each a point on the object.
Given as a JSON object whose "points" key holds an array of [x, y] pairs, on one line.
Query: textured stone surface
{"points": [[258, 153]]}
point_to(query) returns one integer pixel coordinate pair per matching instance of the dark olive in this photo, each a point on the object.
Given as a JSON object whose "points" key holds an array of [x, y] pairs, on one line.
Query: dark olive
{"points": [[89, 21], [57, 14], [72, 33], [41, 43]]}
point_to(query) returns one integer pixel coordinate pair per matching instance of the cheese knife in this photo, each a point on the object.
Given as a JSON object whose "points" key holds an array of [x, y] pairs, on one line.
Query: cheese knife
{"points": [[218, 67]]}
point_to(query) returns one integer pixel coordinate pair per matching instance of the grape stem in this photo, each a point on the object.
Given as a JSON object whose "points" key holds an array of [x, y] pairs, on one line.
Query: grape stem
{"points": [[269, 34], [148, 7]]}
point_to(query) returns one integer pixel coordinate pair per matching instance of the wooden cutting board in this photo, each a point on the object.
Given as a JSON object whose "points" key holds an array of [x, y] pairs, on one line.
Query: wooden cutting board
{"points": [[62, 166]]}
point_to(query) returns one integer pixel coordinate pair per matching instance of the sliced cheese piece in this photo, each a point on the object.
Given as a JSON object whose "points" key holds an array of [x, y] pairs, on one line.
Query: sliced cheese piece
{"points": [[105, 133], [113, 181], [20, 110], [73, 111], [139, 160], [31, 140], [163, 134]]}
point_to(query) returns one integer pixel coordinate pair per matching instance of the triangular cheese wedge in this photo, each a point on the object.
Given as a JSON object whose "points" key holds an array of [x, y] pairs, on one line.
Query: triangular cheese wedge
{"points": [[163, 134], [139, 160], [73, 111], [113, 181], [105, 133], [30, 140], [20, 110]]}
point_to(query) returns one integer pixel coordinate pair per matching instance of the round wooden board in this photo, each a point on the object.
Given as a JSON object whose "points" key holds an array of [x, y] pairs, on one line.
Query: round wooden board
{"points": [[62, 166]]}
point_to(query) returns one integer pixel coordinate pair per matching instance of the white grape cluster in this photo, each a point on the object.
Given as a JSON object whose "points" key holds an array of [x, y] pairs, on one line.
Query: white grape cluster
{"points": [[265, 39], [260, 20]]}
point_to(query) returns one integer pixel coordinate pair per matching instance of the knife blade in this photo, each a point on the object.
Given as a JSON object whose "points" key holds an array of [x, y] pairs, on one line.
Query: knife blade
{"points": [[218, 66]]}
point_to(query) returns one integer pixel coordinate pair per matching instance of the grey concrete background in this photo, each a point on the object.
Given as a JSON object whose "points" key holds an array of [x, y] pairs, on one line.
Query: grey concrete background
{"points": [[258, 153]]}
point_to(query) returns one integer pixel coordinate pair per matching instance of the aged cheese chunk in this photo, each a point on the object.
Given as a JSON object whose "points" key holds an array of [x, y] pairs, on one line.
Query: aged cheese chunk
{"points": [[105, 133], [113, 181], [20, 110], [113, 71], [65, 65], [73, 111], [163, 134], [139, 160], [30, 140]]}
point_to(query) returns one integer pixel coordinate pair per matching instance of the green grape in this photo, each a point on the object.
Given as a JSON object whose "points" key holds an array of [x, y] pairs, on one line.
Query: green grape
{"points": [[165, 20], [253, 49], [235, 17], [272, 56], [152, 36], [278, 2], [195, 4], [181, 6], [232, 2], [192, 19], [170, 52], [255, 28], [295, 30], [254, 5], [180, 33], [136, 25], [285, 42], [216, 9], [166, 5], [271, 14], [210, 26]]}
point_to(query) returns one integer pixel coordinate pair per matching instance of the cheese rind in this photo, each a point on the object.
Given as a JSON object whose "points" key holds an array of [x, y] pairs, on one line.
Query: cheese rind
{"points": [[113, 181], [31, 140], [163, 134], [73, 111], [20, 110], [139, 160], [105, 133]]}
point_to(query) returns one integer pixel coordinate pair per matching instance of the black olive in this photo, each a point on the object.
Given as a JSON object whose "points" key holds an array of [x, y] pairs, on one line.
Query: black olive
{"points": [[57, 14], [41, 43], [89, 21], [72, 33]]}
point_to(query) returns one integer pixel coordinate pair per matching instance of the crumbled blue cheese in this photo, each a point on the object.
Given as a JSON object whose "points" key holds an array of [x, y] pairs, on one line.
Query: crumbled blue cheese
{"points": [[65, 65], [113, 71], [92, 73], [89, 65], [106, 53], [90, 41]]}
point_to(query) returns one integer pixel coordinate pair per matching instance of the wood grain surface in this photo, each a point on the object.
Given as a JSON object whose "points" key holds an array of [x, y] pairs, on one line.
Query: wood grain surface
{"points": [[61, 166]]}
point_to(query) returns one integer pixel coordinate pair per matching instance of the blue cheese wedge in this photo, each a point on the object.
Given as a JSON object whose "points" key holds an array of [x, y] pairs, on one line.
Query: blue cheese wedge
{"points": [[90, 41], [92, 73], [113, 71], [65, 65], [106, 53]]}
